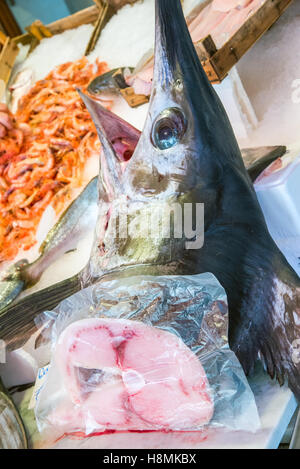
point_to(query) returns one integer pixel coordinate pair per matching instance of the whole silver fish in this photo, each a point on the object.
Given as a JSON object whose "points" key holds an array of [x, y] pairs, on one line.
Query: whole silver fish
{"points": [[12, 432], [71, 226], [109, 82]]}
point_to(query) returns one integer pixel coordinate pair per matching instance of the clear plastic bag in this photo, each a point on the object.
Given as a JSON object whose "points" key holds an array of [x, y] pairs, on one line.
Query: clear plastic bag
{"points": [[144, 353]]}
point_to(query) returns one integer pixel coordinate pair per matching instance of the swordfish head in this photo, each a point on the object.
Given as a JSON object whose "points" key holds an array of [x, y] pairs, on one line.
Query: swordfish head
{"points": [[187, 157], [178, 161]]}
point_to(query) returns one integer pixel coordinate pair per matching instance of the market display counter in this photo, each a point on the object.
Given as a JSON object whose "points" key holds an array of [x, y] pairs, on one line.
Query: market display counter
{"points": [[276, 406]]}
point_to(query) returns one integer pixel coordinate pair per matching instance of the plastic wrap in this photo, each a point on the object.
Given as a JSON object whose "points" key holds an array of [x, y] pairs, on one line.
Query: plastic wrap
{"points": [[144, 353]]}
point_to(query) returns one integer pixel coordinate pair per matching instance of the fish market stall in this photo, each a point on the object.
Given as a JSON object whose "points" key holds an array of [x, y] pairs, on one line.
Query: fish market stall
{"points": [[128, 319]]}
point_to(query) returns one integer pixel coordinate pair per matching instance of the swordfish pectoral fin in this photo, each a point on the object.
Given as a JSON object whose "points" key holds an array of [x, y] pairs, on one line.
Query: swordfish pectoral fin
{"points": [[17, 331], [272, 332]]}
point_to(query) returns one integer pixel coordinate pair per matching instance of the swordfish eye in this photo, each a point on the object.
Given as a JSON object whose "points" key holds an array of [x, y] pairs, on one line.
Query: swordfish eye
{"points": [[168, 128]]}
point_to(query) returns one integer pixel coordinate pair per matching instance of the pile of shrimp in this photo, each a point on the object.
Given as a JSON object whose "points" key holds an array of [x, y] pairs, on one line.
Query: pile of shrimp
{"points": [[43, 151]]}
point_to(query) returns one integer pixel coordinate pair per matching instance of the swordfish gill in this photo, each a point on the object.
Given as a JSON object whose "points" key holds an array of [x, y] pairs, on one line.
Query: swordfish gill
{"points": [[188, 153]]}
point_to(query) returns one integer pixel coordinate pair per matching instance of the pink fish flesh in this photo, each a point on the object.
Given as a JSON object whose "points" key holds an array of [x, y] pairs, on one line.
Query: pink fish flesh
{"points": [[204, 24], [125, 375], [141, 81]]}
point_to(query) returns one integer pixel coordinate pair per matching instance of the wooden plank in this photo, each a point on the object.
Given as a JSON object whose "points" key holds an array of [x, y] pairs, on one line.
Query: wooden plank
{"points": [[105, 14], [134, 100], [106, 11], [8, 20], [38, 30], [99, 4], [229, 54], [86, 16], [206, 48], [210, 71], [7, 59], [24, 39]]}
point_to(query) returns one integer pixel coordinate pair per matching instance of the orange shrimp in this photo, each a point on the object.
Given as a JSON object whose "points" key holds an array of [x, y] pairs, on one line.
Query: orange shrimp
{"points": [[42, 157]]}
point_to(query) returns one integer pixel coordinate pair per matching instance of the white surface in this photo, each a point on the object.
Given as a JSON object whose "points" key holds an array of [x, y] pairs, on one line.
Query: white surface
{"points": [[237, 104], [276, 407], [291, 249], [279, 197]]}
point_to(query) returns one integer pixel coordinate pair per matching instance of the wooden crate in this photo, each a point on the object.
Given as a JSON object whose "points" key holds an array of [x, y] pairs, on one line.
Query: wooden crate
{"points": [[86, 16], [218, 62], [98, 15]]}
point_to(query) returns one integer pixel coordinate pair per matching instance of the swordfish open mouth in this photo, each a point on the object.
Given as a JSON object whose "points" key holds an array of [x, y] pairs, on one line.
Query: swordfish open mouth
{"points": [[119, 140], [118, 137]]}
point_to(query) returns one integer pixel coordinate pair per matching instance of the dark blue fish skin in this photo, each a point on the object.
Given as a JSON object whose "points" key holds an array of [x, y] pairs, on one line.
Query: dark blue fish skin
{"points": [[238, 248], [206, 166]]}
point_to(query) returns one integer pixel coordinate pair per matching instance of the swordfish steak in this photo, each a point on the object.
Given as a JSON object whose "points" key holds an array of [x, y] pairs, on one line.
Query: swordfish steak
{"points": [[188, 153], [126, 375]]}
